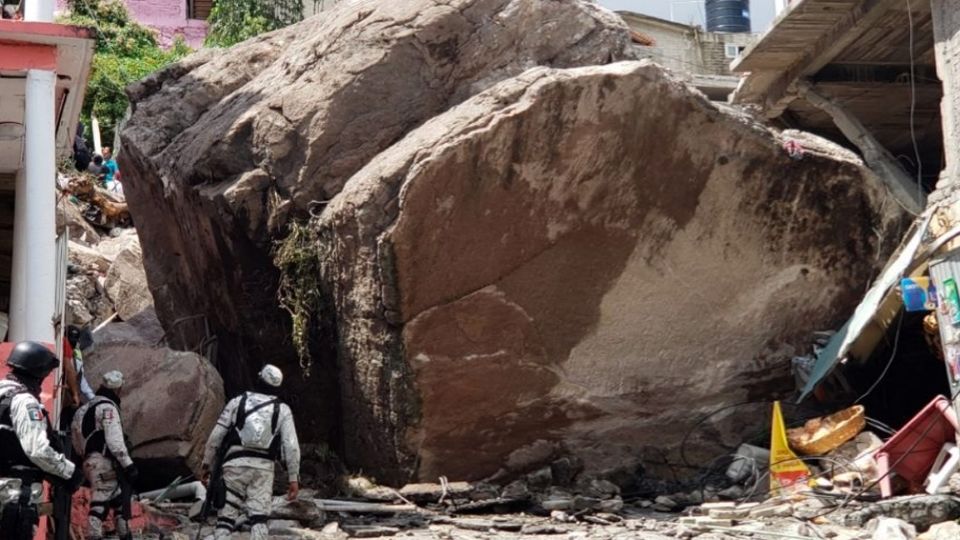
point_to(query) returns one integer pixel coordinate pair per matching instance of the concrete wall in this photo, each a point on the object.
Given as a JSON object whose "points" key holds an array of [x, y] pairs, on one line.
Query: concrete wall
{"points": [[684, 48], [169, 18], [946, 27]]}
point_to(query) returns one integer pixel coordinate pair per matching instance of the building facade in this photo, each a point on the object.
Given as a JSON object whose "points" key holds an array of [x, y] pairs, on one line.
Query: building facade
{"points": [[701, 57], [170, 18], [45, 69]]}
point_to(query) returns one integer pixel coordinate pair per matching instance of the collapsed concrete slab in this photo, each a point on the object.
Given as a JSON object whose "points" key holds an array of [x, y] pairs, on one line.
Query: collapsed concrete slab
{"points": [[225, 146], [592, 257]]}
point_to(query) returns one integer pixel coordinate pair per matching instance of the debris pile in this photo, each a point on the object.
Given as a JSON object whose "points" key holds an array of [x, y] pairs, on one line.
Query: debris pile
{"points": [[105, 275]]}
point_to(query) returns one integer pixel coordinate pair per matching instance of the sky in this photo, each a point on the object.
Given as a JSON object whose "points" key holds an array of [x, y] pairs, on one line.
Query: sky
{"points": [[690, 11]]}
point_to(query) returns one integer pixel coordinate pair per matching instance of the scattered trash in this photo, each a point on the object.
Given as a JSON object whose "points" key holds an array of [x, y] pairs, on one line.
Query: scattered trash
{"points": [[919, 294], [946, 464]]}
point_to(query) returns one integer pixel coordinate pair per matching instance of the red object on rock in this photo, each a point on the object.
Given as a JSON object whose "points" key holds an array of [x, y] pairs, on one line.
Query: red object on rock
{"points": [[911, 451]]}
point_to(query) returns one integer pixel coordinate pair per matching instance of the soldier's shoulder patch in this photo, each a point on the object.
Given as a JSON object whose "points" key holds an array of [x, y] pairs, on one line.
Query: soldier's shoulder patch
{"points": [[34, 412]]}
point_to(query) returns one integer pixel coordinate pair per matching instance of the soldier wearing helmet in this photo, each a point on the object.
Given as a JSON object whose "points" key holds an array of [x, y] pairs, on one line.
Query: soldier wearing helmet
{"points": [[99, 439], [254, 430], [26, 454]]}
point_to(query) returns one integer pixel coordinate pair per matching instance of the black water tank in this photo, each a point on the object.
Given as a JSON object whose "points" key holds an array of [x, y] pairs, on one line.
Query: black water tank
{"points": [[728, 15]]}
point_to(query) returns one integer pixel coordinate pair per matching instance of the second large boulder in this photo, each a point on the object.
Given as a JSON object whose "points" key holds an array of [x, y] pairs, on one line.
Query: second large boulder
{"points": [[170, 402]]}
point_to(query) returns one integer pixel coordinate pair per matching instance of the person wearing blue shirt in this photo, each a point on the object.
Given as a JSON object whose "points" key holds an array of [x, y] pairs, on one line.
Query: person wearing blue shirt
{"points": [[109, 166]]}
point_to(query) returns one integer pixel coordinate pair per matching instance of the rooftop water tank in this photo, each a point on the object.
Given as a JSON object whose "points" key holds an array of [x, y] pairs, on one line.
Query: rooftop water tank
{"points": [[728, 15]]}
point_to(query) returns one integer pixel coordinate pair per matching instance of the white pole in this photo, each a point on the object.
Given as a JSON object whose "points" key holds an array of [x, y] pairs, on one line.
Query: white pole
{"points": [[95, 129], [38, 10], [34, 282]]}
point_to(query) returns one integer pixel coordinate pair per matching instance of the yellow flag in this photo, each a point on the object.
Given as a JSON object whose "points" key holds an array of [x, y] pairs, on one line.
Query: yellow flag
{"points": [[786, 471]]}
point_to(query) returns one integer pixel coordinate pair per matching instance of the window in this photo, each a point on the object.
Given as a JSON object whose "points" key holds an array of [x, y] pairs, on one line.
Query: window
{"points": [[731, 50], [199, 9]]}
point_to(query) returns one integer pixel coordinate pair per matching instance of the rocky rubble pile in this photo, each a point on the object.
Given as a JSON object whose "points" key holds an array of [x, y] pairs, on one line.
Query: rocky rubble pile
{"points": [[105, 274], [481, 511]]}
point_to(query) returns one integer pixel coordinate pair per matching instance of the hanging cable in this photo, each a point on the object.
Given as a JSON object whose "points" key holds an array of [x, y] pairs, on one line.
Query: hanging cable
{"points": [[913, 104], [893, 355]]}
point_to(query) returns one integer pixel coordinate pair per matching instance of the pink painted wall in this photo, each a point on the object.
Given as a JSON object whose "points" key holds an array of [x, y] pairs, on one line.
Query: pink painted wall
{"points": [[167, 17]]}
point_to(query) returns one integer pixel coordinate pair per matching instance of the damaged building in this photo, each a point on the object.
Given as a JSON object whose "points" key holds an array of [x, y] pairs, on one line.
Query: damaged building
{"points": [[869, 77]]}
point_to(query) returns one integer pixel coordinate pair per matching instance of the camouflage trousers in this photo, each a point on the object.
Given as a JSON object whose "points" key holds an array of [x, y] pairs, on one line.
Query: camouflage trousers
{"points": [[250, 493]]}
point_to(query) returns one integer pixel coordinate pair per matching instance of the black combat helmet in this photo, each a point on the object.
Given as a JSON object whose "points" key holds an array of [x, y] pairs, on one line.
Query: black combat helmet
{"points": [[33, 359]]}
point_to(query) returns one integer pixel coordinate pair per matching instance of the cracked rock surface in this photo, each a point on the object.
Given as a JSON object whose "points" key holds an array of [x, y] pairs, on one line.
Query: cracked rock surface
{"points": [[592, 257], [224, 148]]}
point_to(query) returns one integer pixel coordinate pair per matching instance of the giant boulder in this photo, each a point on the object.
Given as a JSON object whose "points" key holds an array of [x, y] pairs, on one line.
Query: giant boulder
{"points": [[511, 257], [225, 147], [589, 258]]}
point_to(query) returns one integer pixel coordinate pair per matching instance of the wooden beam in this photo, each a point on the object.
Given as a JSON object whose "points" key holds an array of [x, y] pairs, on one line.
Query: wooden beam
{"points": [[876, 73], [818, 54], [900, 184]]}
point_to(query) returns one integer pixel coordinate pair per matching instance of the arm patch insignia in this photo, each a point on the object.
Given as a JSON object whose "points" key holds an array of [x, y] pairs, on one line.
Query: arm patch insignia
{"points": [[35, 414]]}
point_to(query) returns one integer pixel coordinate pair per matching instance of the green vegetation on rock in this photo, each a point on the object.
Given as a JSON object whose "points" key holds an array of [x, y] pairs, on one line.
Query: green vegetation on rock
{"points": [[298, 260]]}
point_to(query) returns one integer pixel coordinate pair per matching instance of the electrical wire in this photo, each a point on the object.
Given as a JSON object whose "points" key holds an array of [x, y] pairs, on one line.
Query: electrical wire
{"points": [[913, 103], [861, 495], [893, 354]]}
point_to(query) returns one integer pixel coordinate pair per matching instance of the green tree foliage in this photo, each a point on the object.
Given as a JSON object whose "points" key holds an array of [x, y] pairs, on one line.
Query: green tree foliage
{"points": [[233, 21], [125, 53]]}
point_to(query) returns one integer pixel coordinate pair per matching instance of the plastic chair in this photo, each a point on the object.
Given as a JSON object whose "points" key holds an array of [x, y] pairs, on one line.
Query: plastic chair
{"points": [[912, 451], [947, 463]]}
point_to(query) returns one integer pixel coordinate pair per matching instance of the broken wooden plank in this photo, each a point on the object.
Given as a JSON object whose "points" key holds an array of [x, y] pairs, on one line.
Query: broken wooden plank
{"points": [[334, 505]]}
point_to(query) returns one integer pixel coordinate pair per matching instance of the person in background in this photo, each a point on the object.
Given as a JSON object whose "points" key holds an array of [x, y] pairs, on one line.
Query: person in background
{"points": [[98, 438], [27, 455], [96, 166], [81, 152], [80, 389], [109, 165]]}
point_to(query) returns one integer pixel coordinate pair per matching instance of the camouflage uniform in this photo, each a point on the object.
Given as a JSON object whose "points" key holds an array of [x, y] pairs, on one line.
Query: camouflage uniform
{"points": [[247, 467]]}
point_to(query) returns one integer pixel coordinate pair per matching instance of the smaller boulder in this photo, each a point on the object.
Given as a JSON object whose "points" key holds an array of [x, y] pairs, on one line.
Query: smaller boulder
{"points": [[86, 257], [143, 329], [170, 402], [70, 215], [119, 240]]}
